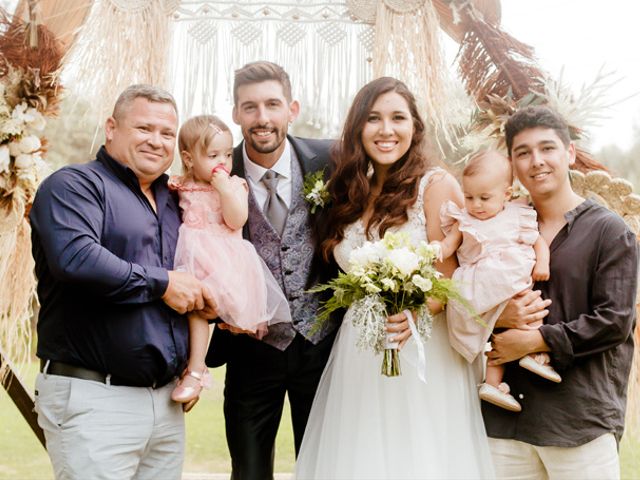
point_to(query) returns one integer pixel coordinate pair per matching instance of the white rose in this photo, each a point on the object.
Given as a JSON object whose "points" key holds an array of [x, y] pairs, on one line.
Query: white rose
{"points": [[381, 250], [5, 158], [29, 144], [24, 161], [422, 283], [404, 260], [363, 256]]}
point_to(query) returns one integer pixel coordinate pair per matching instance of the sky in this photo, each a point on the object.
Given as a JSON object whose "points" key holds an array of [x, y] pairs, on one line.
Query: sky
{"points": [[579, 37]]}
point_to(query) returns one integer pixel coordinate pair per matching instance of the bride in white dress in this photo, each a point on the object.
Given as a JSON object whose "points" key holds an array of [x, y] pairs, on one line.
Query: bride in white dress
{"points": [[364, 425]]}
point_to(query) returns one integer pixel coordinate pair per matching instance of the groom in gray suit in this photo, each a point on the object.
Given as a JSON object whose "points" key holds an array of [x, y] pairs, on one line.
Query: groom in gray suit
{"points": [[290, 358]]}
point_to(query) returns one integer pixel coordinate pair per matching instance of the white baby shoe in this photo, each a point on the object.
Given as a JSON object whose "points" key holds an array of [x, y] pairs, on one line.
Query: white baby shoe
{"points": [[539, 364], [499, 396]]}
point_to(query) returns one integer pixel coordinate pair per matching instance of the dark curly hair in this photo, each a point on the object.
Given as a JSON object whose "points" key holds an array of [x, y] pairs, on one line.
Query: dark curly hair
{"points": [[534, 117], [350, 185]]}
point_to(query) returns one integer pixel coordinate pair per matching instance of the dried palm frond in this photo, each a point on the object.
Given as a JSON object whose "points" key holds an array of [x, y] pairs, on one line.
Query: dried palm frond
{"points": [[585, 109], [494, 111], [492, 62], [585, 162]]}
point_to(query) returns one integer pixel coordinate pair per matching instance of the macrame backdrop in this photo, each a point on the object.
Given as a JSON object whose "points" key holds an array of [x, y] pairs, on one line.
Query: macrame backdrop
{"points": [[331, 48], [326, 50]]}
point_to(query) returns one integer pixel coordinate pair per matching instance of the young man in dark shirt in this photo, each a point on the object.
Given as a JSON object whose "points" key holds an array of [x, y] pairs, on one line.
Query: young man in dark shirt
{"points": [[570, 429]]}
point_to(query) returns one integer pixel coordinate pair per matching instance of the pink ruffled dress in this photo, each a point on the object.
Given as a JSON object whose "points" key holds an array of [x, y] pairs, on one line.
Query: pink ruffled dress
{"points": [[496, 260], [247, 295]]}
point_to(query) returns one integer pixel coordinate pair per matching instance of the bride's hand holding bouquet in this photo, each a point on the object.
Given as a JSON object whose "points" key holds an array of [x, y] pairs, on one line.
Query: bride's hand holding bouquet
{"points": [[390, 277]]}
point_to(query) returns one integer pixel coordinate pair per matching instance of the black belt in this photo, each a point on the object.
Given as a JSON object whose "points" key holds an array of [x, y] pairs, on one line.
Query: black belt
{"points": [[66, 370]]}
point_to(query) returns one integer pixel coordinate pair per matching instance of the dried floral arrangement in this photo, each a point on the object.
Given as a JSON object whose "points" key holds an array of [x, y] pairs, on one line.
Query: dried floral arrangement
{"points": [[502, 75], [30, 59], [29, 92]]}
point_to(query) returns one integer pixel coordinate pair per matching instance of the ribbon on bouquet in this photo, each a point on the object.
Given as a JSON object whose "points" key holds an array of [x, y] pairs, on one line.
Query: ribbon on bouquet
{"points": [[422, 359]]}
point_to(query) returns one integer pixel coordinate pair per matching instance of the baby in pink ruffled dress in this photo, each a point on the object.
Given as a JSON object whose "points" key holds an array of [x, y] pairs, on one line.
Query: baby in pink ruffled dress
{"points": [[210, 246], [500, 251]]}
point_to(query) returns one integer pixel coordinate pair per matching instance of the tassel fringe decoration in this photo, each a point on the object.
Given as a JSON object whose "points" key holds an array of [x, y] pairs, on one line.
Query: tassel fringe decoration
{"points": [[17, 286], [408, 47], [327, 57], [120, 44]]}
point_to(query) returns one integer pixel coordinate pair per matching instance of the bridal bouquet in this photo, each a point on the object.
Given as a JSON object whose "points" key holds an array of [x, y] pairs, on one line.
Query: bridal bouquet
{"points": [[384, 278]]}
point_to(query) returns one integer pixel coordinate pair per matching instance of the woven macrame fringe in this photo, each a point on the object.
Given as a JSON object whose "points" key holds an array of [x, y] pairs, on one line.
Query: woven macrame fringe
{"points": [[118, 47], [323, 75], [408, 47], [17, 286]]}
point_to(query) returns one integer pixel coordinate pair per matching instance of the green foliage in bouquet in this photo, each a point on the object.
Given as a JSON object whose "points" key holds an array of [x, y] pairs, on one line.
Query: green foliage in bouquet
{"points": [[401, 274], [384, 278]]}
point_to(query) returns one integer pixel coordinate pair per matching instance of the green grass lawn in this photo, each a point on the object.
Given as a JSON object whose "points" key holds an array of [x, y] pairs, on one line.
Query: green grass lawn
{"points": [[22, 457]]}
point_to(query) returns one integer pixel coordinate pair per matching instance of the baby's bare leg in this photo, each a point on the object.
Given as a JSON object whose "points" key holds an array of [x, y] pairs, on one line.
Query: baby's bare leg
{"points": [[494, 375], [198, 342]]}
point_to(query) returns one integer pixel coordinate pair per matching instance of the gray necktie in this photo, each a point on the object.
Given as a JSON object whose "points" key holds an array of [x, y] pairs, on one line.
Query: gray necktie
{"points": [[274, 208]]}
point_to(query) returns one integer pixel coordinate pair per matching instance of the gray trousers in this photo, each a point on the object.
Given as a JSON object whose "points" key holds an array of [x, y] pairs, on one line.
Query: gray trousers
{"points": [[98, 431]]}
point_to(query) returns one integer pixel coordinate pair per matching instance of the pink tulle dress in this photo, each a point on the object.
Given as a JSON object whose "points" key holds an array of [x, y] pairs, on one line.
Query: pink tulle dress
{"points": [[496, 260], [247, 295]]}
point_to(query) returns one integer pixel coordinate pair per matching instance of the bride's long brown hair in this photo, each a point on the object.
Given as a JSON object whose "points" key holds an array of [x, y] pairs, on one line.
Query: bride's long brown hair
{"points": [[350, 185]]}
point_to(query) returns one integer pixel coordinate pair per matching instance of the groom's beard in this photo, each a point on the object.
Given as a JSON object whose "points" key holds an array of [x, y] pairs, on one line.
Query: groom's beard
{"points": [[276, 138]]}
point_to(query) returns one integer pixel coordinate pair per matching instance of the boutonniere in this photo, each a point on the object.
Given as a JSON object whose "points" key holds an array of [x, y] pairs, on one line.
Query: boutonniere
{"points": [[315, 190]]}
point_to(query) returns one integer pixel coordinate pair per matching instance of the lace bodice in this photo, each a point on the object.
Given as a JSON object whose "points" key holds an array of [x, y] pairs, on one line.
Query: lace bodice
{"points": [[415, 227]]}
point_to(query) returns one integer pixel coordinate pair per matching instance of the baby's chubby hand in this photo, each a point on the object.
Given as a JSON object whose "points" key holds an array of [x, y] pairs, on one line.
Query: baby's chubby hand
{"points": [[540, 273], [220, 179]]}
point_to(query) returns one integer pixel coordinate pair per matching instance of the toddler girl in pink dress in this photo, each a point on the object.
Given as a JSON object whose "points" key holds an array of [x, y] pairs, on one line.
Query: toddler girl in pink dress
{"points": [[210, 246], [500, 251]]}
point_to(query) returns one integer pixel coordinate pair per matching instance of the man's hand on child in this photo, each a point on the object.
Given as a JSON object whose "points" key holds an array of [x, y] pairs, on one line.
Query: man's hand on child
{"points": [[513, 344], [185, 293], [209, 310], [524, 308]]}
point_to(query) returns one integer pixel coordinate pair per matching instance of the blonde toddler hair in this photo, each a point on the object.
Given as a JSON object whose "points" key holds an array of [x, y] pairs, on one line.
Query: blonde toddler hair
{"points": [[196, 134], [489, 160]]}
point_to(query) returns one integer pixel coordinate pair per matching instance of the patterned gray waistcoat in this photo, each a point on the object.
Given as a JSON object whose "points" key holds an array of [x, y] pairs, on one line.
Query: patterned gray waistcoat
{"points": [[289, 258]]}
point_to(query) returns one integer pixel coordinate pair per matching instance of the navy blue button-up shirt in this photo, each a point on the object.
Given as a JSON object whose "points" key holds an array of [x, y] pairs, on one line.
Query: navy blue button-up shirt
{"points": [[102, 255]]}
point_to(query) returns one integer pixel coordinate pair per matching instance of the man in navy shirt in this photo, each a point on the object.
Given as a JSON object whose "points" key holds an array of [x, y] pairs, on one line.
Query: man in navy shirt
{"points": [[111, 333]]}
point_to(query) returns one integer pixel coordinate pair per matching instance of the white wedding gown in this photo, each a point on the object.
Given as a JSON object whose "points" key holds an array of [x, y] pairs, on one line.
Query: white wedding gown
{"points": [[364, 425]]}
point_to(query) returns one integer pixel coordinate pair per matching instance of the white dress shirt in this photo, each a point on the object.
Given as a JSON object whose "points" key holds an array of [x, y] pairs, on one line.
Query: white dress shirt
{"points": [[255, 172]]}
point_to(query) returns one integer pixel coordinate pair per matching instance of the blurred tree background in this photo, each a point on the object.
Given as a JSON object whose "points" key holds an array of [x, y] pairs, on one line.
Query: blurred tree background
{"points": [[623, 163]]}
